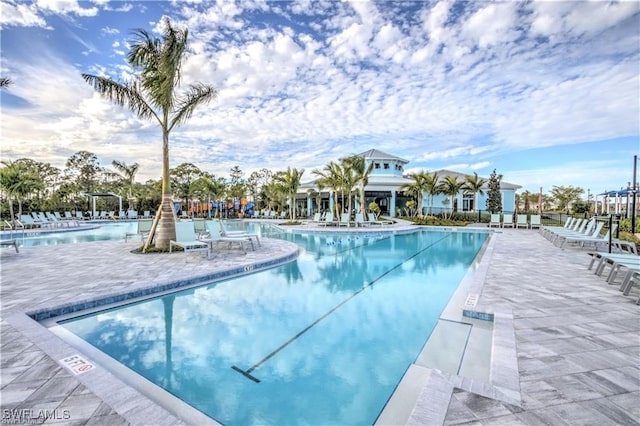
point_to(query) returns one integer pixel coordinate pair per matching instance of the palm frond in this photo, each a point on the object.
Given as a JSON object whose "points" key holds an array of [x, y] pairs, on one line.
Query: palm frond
{"points": [[198, 94], [122, 95], [4, 81]]}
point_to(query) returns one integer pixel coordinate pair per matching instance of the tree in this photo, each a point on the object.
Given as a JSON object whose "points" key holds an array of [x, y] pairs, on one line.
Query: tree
{"points": [[431, 187], [331, 176], [422, 182], [5, 82], [361, 170], [208, 187], [450, 186], [565, 196], [153, 95], [127, 174], [290, 181], [85, 168], [494, 196], [474, 185], [181, 179], [17, 181]]}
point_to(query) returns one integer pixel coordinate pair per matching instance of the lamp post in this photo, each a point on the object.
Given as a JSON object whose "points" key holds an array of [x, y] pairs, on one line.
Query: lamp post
{"points": [[634, 193]]}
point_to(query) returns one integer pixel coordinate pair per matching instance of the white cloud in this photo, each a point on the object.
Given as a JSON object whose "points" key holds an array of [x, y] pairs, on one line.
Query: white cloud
{"points": [[64, 7], [21, 15]]}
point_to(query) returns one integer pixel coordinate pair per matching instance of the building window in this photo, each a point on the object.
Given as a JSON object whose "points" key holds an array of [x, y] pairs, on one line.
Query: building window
{"points": [[376, 165], [467, 202], [386, 165]]}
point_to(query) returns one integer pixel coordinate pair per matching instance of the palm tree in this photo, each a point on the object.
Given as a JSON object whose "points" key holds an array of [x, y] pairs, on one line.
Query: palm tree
{"points": [[127, 173], [5, 82], [431, 187], [451, 186], [153, 96], [417, 187], [331, 177], [474, 185], [361, 171], [290, 181], [17, 181]]}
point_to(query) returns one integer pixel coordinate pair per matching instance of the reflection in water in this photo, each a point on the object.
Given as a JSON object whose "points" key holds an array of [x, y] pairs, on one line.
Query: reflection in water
{"points": [[340, 370]]}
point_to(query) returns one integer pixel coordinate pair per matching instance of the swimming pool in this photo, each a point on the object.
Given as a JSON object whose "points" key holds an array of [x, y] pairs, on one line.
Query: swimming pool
{"points": [[321, 340], [85, 233]]}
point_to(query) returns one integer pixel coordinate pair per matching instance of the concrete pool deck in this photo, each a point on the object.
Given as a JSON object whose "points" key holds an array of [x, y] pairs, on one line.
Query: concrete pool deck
{"points": [[577, 340]]}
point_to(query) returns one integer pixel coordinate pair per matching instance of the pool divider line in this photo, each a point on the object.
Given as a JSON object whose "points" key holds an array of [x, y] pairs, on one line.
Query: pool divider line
{"points": [[247, 372]]}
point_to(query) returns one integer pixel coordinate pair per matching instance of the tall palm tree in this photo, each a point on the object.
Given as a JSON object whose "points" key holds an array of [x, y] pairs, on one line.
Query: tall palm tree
{"points": [[451, 186], [431, 187], [290, 181], [416, 188], [474, 185], [18, 181], [331, 176], [5, 82], [361, 171], [153, 95], [128, 174]]}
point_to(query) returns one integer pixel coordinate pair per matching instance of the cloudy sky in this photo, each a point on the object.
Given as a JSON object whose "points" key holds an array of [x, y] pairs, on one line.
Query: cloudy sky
{"points": [[547, 93]]}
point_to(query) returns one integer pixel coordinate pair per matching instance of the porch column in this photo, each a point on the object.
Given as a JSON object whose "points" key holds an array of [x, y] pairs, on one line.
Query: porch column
{"points": [[392, 204], [309, 206]]}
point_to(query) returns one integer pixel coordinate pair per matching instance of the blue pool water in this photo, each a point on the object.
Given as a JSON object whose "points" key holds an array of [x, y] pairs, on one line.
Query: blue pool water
{"points": [[321, 340], [72, 235]]}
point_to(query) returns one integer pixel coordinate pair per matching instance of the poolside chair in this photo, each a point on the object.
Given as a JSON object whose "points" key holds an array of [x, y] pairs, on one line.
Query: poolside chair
{"points": [[587, 232], [215, 236], [50, 217], [316, 218], [535, 221], [507, 220], [359, 220], [132, 214], [547, 229], [344, 220], [199, 226], [522, 221], [631, 279], [225, 232], [495, 220], [186, 239], [143, 227], [373, 221], [28, 222], [328, 220], [594, 241], [147, 214]]}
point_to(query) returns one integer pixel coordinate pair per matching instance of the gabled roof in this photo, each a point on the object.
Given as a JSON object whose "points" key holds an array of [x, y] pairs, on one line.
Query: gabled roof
{"points": [[461, 176], [374, 154]]}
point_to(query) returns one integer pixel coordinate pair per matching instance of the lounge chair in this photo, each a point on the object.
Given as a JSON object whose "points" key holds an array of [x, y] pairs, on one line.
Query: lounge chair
{"points": [[507, 220], [147, 214], [28, 222], [579, 227], [587, 232], [373, 221], [591, 241], [632, 278], [495, 220], [132, 214], [143, 227], [50, 217], [522, 221], [316, 218], [186, 239], [535, 221], [360, 220], [225, 232], [344, 220], [215, 236], [328, 220], [547, 229]]}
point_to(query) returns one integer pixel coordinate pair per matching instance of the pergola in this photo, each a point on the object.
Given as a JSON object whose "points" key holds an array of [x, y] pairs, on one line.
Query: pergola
{"points": [[95, 195]]}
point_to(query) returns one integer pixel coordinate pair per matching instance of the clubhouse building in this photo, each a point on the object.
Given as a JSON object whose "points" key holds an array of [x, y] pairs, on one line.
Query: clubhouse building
{"points": [[384, 185]]}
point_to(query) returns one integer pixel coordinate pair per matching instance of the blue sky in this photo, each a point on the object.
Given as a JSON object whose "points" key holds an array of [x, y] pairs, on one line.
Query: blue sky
{"points": [[547, 93]]}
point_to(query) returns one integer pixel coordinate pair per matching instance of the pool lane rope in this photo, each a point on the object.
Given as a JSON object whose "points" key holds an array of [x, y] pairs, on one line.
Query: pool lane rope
{"points": [[247, 372]]}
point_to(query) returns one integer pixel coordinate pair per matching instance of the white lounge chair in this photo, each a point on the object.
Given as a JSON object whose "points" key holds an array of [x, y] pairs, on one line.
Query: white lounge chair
{"points": [[215, 236], [522, 221], [328, 220], [360, 220], [344, 220], [507, 220], [225, 232], [535, 221], [495, 220], [186, 239], [143, 227]]}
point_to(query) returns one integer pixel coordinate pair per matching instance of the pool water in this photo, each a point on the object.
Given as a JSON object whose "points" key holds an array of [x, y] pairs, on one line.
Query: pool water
{"points": [[321, 340], [95, 232]]}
